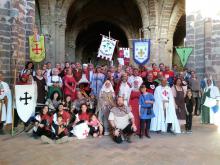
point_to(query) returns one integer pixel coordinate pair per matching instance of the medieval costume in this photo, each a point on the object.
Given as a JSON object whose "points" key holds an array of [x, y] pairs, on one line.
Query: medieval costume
{"points": [[146, 113], [165, 119], [106, 101], [77, 73], [151, 86], [97, 82], [134, 103], [125, 91], [41, 86], [5, 104], [69, 88], [43, 122], [179, 97], [54, 83], [207, 114], [78, 102], [194, 85]]}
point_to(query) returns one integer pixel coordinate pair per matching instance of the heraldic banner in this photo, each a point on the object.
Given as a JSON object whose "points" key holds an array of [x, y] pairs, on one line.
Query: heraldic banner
{"points": [[107, 48], [184, 54], [25, 98], [141, 51], [37, 49], [124, 56]]}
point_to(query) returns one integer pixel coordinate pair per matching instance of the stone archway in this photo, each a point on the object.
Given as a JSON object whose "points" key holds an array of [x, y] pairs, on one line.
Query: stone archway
{"points": [[86, 20]]}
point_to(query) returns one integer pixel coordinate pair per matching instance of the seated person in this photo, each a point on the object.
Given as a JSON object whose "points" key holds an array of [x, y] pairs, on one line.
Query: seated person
{"points": [[43, 122], [96, 128], [122, 121], [53, 101]]}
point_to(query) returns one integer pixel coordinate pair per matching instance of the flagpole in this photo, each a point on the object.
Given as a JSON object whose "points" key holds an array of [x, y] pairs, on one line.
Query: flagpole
{"points": [[13, 97]]}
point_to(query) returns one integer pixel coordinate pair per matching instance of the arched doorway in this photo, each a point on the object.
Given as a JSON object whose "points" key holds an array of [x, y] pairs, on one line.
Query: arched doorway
{"points": [[178, 38], [86, 20], [88, 40]]}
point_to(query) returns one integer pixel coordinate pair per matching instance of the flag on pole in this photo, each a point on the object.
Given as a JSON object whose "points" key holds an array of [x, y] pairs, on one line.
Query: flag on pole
{"points": [[124, 56], [107, 48], [141, 51], [184, 54], [37, 48]]}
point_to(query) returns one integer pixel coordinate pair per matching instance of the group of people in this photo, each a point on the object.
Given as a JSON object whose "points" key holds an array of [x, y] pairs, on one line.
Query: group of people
{"points": [[78, 100]]}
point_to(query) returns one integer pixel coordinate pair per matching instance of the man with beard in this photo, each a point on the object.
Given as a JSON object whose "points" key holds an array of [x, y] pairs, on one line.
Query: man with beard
{"points": [[124, 89], [165, 119], [122, 121]]}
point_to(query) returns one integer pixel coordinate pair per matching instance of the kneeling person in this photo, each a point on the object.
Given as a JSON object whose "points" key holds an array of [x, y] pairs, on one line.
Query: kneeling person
{"points": [[122, 121]]}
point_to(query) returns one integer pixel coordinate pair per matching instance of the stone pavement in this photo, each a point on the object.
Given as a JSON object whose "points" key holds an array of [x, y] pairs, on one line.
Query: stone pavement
{"points": [[201, 147]]}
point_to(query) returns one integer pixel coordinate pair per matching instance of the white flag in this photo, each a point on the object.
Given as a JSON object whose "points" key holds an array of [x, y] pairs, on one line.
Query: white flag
{"points": [[107, 48]]}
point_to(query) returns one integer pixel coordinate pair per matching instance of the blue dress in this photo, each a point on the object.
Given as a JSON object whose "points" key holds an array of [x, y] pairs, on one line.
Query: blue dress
{"points": [[97, 82], [146, 111]]}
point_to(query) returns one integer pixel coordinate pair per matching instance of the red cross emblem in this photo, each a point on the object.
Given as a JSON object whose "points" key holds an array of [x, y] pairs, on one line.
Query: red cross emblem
{"points": [[85, 133], [165, 93], [37, 50]]}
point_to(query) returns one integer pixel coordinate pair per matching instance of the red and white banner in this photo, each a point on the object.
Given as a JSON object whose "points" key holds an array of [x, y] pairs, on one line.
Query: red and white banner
{"points": [[124, 56]]}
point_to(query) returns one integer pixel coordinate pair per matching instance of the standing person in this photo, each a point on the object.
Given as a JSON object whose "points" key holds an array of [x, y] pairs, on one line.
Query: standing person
{"points": [[134, 103], [5, 104], [150, 83], [122, 121], [135, 77], [146, 101], [54, 83], [165, 119], [97, 81], [44, 71], [207, 114], [63, 72], [190, 106], [29, 69], [194, 85], [159, 78], [124, 89], [69, 87], [48, 71], [105, 103], [179, 95], [41, 86], [155, 71], [169, 75], [77, 72]]}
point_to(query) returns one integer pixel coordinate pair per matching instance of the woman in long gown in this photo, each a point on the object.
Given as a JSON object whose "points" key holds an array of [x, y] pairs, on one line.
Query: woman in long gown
{"points": [[106, 101], [134, 102], [69, 82], [41, 86], [179, 96], [207, 114]]}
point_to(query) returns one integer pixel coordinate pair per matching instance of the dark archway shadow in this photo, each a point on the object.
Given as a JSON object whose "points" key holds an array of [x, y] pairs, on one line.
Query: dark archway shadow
{"points": [[89, 40]]}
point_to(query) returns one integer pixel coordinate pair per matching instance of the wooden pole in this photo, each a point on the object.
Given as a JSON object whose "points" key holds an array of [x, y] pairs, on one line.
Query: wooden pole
{"points": [[13, 98]]}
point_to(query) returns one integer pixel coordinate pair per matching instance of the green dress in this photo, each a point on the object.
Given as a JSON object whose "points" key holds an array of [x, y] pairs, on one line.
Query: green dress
{"points": [[205, 114]]}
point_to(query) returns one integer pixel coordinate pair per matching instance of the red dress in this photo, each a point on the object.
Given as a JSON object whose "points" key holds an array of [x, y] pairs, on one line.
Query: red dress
{"points": [[134, 102], [84, 116], [69, 84]]}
